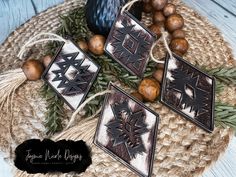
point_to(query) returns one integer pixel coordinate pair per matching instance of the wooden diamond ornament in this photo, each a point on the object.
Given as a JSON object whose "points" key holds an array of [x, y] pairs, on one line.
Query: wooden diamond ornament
{"points": [[127, 131], [129, 43], [71, 74], [189, 92]]}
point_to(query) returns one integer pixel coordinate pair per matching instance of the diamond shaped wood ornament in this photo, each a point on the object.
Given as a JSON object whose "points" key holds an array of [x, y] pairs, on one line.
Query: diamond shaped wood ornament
{"points": [[71, 74], [189, 92], [127, 131], [129, 43]]}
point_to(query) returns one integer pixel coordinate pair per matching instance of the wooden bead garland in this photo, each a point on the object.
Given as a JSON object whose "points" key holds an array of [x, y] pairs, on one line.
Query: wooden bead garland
{"points": [[164, 14]]}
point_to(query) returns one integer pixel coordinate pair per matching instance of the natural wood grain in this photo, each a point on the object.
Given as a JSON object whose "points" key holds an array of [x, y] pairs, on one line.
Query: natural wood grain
{"points": [[221, 18]]}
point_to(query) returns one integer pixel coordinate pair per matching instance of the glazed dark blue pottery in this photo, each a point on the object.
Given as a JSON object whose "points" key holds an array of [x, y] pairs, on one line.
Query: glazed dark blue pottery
{"points": [[100, 14]]}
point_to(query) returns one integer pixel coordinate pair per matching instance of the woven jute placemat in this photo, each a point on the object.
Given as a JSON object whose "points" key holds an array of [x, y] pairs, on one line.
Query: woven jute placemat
{"points": [[182, 148]]}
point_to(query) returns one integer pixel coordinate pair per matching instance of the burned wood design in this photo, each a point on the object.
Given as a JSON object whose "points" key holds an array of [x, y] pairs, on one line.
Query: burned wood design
{"points": [[189, 91], [127, 127], [127, 131], [129, 43], [71, 74]]}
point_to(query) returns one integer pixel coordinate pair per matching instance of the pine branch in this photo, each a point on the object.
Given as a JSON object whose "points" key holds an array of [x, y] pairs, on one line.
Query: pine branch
{"points": [[225, 115], [224, 75], [55, 112]]}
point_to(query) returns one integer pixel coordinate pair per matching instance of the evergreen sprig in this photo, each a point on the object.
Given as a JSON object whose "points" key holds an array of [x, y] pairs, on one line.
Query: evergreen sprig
{"points": [[225, 115], [55, 112], [224, 74]]}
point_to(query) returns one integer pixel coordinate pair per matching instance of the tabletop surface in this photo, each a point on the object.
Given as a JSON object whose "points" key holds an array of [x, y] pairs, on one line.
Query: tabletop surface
{"points": [[221, 13]]}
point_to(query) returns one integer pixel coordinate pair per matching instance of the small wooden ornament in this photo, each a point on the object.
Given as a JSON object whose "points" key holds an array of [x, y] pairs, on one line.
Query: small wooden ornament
{"points": [[127, 131], [129, 43], [71, 74], [189, 92]]}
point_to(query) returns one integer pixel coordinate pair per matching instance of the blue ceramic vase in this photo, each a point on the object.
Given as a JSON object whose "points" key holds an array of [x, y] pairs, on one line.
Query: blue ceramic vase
{"points": [[100, 14]]}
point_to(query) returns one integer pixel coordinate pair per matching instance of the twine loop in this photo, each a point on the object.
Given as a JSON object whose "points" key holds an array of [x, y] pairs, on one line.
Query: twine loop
{"points": [[164, 39], [128, 5], [32, 41], [72, 119]]}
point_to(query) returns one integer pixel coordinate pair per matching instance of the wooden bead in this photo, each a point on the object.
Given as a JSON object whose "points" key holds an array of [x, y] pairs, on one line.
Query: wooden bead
{"points": [[156, 29], [147, 7], [158, 4], [83, 45], [158, 74], [158, 17], [174, 22], [33, 69], [96, 44], [169, 9], [149, 89], [160, 66], [179, 45], [178, 34], [137, 95], [46, 60], [177, 53]]}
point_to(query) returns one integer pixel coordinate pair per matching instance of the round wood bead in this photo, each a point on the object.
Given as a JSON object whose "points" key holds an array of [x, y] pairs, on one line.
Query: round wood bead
{"points": [[158, 4], [46, 60], [158, 17], [96, 44], [137, 95], [174, 22], [169, 9], [178, 34], [33, 69], [83, 45], [179, 45], [158, 74], [156, 29], [160, 66], [149, 89], [147, 7]]}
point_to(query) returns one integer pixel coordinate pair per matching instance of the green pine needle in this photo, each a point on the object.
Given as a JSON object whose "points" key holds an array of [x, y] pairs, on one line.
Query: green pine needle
{"points": [[225, 115], [55, 112], [224, 75]]}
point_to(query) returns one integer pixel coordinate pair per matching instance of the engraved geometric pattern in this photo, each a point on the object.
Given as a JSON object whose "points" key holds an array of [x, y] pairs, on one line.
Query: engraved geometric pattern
{"points": [[129, 44], [76, 80], [127, 128]]}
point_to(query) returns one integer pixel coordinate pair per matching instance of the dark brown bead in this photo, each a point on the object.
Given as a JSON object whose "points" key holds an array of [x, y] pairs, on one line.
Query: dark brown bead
{"points": [[174, 22], [137, 95], [158, 4], [47, 60], [158, 74], [158, 17], [179, 45], [160, 66], [178, 34], [169, 9], [156, 29], [149, 89], [83, 45], [147, 7]]}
